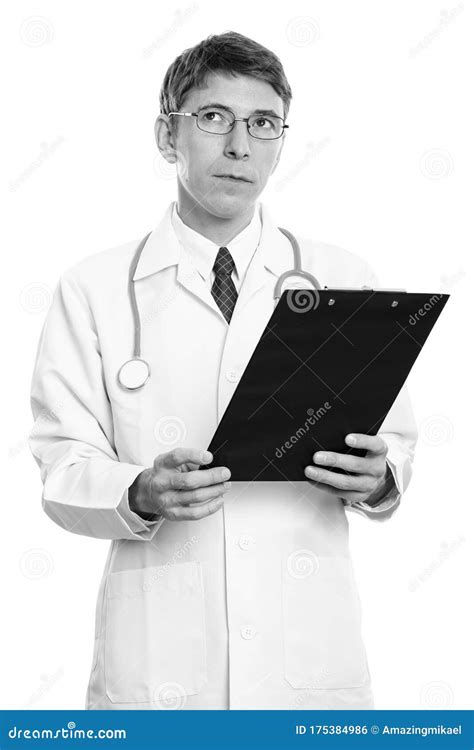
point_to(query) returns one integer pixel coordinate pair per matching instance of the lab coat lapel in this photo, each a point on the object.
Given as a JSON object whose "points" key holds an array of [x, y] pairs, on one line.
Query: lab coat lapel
{"points": [[162, 250], [272, 257], [192, 280]]}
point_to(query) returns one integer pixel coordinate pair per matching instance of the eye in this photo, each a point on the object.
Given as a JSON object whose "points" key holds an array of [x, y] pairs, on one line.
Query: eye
{"points": [[264, 123], [212, 115]]}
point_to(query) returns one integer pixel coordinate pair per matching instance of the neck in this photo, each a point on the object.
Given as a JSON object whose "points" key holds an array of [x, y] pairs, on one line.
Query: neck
{"points": [[219, 230]]}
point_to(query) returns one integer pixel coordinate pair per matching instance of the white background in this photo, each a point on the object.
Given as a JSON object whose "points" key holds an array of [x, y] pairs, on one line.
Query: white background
{"points": [[378, 160]]}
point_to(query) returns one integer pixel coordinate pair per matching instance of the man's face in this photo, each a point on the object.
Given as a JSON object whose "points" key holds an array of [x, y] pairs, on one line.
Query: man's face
{"points": [[204, 157]]}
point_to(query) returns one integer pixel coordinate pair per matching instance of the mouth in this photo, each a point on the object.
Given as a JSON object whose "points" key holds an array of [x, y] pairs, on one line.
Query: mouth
{"points": [[232, 178]]}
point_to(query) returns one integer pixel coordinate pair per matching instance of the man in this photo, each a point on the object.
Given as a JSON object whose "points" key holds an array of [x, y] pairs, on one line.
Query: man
{"points": [[214, 595]]}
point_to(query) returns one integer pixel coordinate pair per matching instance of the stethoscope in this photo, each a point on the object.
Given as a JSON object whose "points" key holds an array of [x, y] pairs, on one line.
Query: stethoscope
{"points": [[135, 372]]}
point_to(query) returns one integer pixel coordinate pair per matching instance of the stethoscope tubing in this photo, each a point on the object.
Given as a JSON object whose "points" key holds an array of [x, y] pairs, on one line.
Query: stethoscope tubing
{"points": [[295, 271], [137, 333]]}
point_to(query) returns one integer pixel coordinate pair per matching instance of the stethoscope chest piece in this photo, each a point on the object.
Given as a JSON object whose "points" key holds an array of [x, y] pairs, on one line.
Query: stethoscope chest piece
{"points": [[134, 373]]}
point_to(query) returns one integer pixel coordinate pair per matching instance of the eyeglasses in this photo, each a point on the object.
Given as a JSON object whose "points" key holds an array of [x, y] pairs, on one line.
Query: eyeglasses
{"points": [[221, 121]]}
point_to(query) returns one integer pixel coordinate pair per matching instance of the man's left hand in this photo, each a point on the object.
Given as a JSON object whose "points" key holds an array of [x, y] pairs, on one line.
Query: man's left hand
{"points": [[368, 474]]}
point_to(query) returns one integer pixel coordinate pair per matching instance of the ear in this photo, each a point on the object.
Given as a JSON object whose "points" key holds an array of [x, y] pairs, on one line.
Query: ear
{"points": [[165, 139]]}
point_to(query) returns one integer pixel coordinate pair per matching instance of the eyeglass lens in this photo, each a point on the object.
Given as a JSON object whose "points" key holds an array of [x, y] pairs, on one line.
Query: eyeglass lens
{"points": [[214, 120]]}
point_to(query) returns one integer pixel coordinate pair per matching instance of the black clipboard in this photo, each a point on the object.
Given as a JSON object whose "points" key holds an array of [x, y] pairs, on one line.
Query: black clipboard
{"points": [[329, 362]]}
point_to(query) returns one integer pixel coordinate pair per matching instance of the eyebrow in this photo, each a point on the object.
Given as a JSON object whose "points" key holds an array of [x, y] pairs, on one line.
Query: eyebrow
{"points": [[255, 112]]}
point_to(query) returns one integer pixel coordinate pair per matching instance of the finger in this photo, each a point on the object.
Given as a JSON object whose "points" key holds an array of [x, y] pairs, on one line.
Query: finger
{"points": [[202, 494], [373, 443], [346, 482], [372, 465], [200, 478], [178, 456], [343, 461], [199, 511]]}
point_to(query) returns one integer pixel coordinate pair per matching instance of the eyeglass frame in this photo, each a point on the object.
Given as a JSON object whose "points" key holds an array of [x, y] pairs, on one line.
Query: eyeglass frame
{"points": [[236, 119]]}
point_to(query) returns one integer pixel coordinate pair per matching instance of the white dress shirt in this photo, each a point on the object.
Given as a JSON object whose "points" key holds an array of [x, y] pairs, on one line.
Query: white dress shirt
{"points": [[203, 252]]}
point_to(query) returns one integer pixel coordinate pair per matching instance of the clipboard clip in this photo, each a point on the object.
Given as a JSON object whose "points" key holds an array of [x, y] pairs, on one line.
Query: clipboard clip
{"points": [[297, 270], [360, 289]]}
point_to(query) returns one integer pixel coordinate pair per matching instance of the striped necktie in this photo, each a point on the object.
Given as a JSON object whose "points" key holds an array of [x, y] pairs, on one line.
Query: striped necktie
{"points": [[223, 289]]}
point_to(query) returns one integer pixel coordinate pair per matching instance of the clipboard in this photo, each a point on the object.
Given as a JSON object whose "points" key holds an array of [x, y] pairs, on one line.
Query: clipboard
{"points": [[329, 362]]}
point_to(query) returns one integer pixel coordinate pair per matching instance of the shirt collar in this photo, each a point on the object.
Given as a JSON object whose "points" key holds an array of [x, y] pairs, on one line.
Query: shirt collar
{"points": [[163, 249], [203, 251]]}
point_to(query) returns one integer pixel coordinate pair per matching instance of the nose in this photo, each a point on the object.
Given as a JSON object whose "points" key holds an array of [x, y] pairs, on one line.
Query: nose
{"points": [[238, 141]]}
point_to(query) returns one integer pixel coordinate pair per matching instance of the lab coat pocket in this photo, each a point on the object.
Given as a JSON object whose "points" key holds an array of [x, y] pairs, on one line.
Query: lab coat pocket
{"points": [[322, 640], [155, 636]]}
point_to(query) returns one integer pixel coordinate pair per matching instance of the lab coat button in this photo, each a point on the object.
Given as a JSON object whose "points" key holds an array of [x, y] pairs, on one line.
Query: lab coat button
{"points": [[232, 376], [246, 542], [247, 632]]}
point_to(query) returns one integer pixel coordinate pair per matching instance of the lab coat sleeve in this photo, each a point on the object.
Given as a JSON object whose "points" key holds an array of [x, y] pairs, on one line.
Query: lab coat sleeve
{"points": [[399, 431], [85, 486]]}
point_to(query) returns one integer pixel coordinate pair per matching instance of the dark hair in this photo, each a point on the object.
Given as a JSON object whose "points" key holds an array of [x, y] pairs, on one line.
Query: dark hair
{"points": [[230, 53]]}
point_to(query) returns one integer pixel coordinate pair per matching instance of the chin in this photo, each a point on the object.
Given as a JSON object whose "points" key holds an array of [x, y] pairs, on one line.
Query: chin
{"points": [[228, 207]]}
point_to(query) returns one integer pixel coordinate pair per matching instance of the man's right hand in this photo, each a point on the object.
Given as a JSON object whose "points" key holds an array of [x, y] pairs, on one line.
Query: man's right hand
{"points": [[176, 489]]}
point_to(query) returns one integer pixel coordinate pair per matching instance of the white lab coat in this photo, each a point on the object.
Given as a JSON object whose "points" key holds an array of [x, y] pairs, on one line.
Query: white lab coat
{"points": [[254, 606]]}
